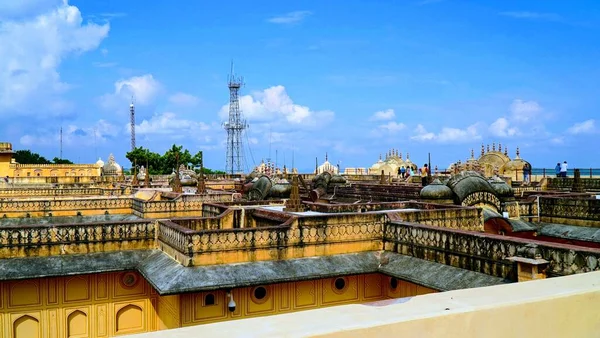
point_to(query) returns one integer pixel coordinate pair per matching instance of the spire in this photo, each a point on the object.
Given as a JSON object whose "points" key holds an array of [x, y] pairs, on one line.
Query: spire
{"points": [[400, 155], [506, 151], [518, 153], [494, 146], [472, 154], [482, 150], [500, 147], [326, 157], [407, 156], [488, 148], [380, 156]]}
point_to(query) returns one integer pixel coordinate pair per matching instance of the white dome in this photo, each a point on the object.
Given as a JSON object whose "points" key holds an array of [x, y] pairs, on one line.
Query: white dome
{"points": [[100, 163]]}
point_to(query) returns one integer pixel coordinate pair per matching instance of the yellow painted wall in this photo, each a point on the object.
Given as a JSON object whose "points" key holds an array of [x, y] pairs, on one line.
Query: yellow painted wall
{"points": [[54, 170], [113, 304], [5, 169], [293, 296], [100, 305]]}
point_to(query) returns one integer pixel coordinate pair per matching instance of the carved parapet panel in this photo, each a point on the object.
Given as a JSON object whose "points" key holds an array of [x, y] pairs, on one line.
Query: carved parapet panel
{"points": [[484, 252], [53, 239], [570, 208]]}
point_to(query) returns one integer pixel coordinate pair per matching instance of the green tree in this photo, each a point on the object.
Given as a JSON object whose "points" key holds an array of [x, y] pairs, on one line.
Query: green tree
{"points": [[57, 160], [28, 157]]}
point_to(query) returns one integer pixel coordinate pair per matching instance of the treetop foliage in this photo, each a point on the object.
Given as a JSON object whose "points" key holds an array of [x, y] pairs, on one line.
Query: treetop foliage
{"points": [[164, 164]]}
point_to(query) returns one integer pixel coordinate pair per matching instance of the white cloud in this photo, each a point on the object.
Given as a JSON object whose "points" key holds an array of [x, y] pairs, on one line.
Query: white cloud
{"points": [[525, 111], [274, 105], [26, 8], [143, 89], [168, 124], [448, 135], [184, 99], [32, 49], [383, 115], [392, 126], [421, 134], [533, 15], [502, 128], [585, 127], [100, 132], [290, 18]]}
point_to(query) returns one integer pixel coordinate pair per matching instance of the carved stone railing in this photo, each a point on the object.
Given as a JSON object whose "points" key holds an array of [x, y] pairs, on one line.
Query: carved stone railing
{"points": [[580, 211], [452, 218], [486, 253], [296, 237], [47, 240], [48, 205], [52, 192], [566, 183]]}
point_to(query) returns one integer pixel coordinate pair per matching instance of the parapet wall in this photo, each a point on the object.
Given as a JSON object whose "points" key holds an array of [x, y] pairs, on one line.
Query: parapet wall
{"points": [[484, 253], [82, 238], [582, 211]]}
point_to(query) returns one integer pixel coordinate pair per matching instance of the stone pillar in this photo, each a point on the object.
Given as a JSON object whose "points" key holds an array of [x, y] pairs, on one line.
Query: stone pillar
{"points": [[294, 204], [382, 179], [577, 184], [530, 268]]}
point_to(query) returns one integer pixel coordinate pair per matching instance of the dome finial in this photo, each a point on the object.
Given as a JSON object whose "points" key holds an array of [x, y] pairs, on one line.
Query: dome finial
{"points": [[472, 154], [518, 153], [500, 147], [506, 151], [400, 155], [482, 150], [326, 157], [494, 146], [407, 156], [380, 156]]}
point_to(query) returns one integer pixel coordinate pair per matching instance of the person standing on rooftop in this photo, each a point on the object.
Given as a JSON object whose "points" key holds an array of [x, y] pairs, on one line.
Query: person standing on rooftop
{"points": [[557, 169], [563, 169]]}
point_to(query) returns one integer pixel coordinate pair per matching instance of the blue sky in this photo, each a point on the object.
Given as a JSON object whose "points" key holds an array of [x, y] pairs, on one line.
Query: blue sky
{"points": [[352, 78]]}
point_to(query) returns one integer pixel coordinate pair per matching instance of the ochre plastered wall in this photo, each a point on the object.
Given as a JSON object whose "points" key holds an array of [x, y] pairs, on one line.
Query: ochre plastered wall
{"points": [[113, 304], [293, 296], [100, 305]]}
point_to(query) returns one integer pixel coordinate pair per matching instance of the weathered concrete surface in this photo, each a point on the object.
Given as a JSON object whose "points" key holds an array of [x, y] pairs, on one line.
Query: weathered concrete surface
{"points": [[64, 265]]}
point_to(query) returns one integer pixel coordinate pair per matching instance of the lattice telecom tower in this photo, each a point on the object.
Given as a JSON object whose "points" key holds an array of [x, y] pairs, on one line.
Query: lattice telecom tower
{"points": [[234, 126], [132, 122]]}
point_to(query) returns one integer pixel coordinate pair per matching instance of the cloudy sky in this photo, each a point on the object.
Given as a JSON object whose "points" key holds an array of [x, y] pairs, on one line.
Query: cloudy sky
{"points": [[351, 78]]}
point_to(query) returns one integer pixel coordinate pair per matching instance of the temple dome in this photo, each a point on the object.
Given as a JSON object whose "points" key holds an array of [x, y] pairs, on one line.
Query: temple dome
{"points": [[111, 168], [100, 163], [517, 164], [436, 191]]}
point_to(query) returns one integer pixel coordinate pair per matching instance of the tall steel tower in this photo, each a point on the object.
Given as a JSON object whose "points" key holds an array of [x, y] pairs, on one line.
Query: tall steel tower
{"points": [[234, 126], [132, 121]]}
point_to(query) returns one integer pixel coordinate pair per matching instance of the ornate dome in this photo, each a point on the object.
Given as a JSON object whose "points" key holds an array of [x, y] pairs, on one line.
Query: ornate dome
{"points": [[436, 191], [100, 163], [501, 187], [111, 168]]}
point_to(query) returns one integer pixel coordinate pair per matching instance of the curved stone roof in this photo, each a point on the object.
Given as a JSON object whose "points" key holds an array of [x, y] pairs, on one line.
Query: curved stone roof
{"points": [[468, 182], [502, 188], [437, 191]]}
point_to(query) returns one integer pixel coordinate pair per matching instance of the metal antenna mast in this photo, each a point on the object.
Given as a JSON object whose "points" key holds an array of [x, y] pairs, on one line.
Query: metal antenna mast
{"points": [[61, 143], [234, 126], [132, 122]]}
